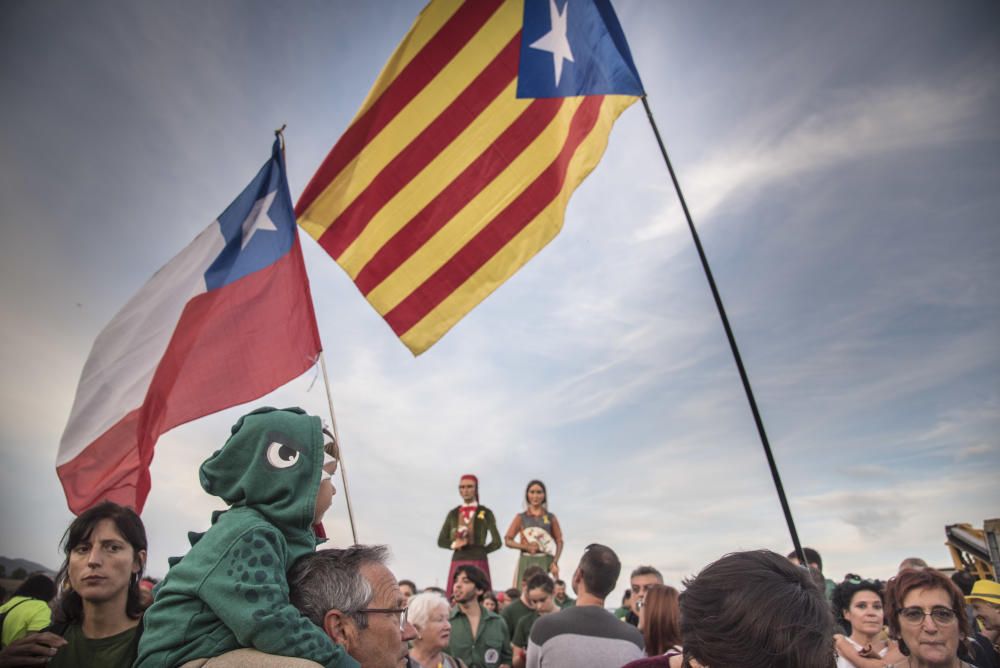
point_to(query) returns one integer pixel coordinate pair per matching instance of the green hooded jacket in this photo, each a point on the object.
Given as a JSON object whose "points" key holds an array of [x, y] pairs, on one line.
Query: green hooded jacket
{"points": [[231, 589]]}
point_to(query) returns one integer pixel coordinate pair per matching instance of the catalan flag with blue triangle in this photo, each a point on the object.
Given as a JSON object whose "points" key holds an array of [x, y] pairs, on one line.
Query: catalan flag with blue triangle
{"points": [[458, 168]]}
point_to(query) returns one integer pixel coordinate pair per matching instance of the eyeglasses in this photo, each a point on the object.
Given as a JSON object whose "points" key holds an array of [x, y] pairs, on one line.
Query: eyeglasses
{"points": [[402, 612], [941, 615]]}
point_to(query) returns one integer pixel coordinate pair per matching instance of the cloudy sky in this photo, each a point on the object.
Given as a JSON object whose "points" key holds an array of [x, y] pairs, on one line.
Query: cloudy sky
{"points": [[841, 163]]}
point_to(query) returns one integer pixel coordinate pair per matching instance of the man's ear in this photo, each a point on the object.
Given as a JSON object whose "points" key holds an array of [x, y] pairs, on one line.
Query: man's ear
{"points": [[340, 627]]}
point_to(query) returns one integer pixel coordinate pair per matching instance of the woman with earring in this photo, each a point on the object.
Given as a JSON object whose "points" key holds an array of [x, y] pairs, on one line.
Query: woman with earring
{"points": [[97, 619], [536, 533]]}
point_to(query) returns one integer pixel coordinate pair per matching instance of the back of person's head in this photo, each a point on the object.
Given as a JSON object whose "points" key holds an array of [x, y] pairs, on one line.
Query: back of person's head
{"points": [[661, 619], [128, 524], [475, 575], [327, 579], [964, 580], [530, 572], [512, 594], [755, 610], [812, 557], [541, 581], [647, 570], [912, 562], [909, 579], [38, 586], [599, 569]]}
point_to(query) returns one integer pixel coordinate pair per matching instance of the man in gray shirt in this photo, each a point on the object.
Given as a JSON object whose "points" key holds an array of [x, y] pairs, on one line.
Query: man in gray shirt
{"points": [[586, 634]]}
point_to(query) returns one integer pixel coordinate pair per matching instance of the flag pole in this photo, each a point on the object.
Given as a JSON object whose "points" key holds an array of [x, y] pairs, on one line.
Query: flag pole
{"points": [[280, 133], [732, 345], [340, 448]]}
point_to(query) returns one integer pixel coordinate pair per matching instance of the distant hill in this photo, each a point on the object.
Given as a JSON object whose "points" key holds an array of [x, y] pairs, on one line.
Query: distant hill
{"points": [[11, 565]]}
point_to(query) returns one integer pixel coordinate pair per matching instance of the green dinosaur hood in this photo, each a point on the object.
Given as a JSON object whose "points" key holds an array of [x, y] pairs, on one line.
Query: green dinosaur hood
{"points": [[272, 463]]}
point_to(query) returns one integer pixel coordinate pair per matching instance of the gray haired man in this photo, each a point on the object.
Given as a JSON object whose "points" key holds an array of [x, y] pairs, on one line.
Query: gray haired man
{"points": [[355, 599]]}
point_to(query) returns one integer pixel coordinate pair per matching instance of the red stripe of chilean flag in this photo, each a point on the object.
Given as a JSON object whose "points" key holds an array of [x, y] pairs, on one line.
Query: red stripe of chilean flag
{"points": [[226, 321]]}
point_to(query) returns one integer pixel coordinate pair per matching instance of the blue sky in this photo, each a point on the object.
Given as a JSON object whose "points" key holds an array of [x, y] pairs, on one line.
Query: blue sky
{"points": [[841, 163]]}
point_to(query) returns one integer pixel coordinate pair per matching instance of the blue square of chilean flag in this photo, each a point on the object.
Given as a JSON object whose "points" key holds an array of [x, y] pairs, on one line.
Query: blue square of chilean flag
{"points": [[574, 47]]}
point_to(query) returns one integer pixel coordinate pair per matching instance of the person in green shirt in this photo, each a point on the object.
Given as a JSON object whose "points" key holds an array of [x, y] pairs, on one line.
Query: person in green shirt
{"points": [[542, 602], [520, 607], [231, 589], [470, 531], [562, 599], [97, 619], [478, 637]]}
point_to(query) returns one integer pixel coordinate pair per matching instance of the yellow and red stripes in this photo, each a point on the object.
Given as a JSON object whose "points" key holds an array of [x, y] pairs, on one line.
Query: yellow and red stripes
{"points": [[445, 183]]}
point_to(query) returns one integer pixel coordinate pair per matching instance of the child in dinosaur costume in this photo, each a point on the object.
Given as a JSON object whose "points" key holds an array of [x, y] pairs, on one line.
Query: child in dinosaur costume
{"points": [[231, 589]]}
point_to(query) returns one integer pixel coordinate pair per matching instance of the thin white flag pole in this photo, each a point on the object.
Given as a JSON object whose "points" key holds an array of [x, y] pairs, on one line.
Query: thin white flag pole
{"points": [[340, 446], [329, 401]]}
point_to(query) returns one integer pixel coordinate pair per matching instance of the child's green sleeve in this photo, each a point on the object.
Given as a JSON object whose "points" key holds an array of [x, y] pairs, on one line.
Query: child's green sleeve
{"points": [[248, 591]]}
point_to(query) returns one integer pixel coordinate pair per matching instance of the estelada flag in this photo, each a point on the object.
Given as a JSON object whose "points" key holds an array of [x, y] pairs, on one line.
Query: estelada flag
{"points": [[226, 321], [459, 165]]}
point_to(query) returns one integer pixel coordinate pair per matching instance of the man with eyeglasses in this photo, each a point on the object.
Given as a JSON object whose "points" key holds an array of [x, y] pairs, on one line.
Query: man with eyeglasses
{"points": [[355, 599]]}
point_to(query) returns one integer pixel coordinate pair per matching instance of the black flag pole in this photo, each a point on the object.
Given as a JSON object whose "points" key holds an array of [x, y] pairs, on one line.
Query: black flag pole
{"points": [[732, 345]]}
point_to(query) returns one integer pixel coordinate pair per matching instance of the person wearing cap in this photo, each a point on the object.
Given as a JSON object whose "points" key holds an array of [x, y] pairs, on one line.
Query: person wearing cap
{"points": [[985, 601], [466, 530]]}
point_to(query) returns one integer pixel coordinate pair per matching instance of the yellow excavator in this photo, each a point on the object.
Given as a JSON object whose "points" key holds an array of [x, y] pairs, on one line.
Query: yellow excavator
{"points": [[976, 551]]}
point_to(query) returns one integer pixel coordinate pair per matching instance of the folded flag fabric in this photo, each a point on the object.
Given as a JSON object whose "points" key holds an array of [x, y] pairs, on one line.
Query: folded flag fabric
{"points": [[458, 168], [226, 321]]}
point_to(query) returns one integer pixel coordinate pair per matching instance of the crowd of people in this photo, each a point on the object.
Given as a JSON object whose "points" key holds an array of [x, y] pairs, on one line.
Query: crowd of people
{"points": [[255, 591]]}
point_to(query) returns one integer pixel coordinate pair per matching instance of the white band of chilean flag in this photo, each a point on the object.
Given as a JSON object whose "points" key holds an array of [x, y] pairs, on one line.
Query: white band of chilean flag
{"points": [[226, 321]]}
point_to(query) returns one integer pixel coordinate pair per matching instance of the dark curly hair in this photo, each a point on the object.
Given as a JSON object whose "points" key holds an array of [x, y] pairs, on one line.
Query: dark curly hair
{"points": [[844, 593]]}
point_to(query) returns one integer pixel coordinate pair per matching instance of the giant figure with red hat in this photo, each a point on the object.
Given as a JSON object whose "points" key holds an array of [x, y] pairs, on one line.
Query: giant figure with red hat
{"points": [[466, 530]]}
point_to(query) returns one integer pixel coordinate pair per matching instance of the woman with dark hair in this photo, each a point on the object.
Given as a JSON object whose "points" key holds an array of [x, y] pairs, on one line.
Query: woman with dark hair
{"points": [[927, 616], [858, 604], [28, 609], [97, 618], [536, 533], [490, 602], [541, 599]]}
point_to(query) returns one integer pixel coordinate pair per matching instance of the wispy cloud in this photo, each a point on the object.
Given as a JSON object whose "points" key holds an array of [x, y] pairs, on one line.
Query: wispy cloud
{"points": [[855, 124]]}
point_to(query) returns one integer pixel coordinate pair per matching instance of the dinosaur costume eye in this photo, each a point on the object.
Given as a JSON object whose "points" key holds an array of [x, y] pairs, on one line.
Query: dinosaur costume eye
{"points": [[281, 456]]}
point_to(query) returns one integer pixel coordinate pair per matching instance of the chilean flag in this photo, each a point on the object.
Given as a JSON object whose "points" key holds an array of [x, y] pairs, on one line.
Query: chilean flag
{"points": [[226, 321]]}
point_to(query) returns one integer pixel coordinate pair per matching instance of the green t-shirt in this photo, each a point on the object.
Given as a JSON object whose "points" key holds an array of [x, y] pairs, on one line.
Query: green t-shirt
{"points": [[523, 630], [513, 613], [567, 602], [117, 651]]}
